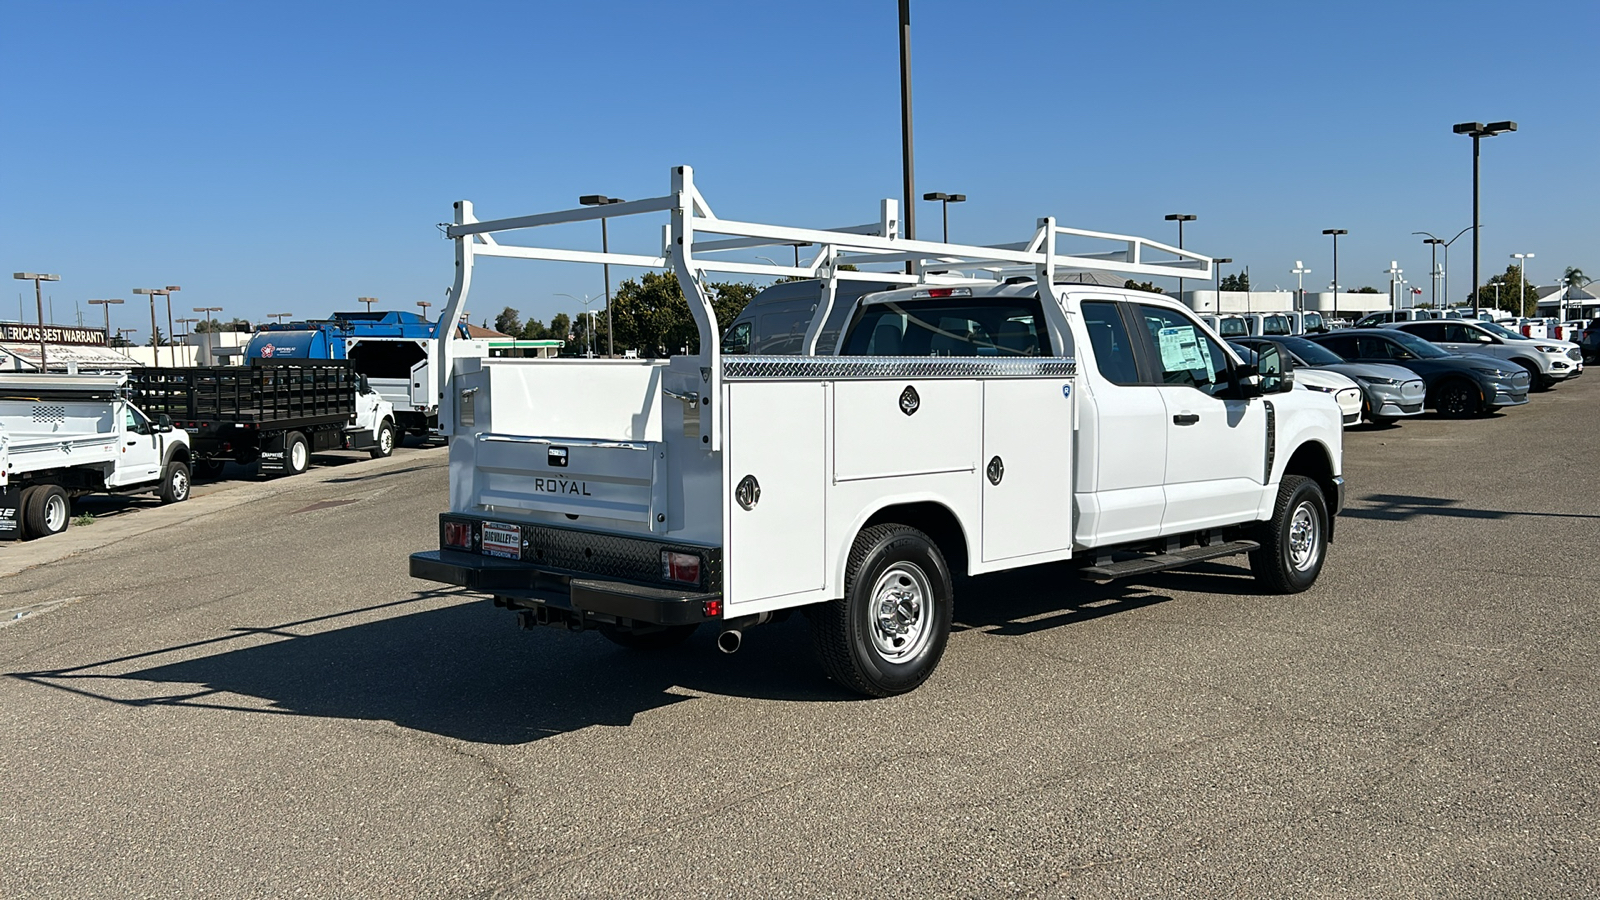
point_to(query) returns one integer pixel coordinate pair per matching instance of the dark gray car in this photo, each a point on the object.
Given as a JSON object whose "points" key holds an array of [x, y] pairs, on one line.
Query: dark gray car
{"points": [[1388, 391], [1458, 385]]}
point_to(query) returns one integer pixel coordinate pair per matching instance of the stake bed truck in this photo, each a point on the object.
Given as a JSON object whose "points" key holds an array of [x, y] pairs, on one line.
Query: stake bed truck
{"points": [[276, 411], [63, 436], [979, 417]]}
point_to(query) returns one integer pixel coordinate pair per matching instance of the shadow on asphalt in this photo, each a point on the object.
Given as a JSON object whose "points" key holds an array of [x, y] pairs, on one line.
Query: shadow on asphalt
{"points": [[466, 671], [1402, 508]]}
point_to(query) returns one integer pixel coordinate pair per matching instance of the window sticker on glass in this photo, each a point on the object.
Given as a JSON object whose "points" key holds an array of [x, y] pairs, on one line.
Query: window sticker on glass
{"points": [[1180, 349]]}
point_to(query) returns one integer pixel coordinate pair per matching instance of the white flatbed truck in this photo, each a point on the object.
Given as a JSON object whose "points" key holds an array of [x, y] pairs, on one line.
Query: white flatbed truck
{"points": [[63, 436], [984, 417]]}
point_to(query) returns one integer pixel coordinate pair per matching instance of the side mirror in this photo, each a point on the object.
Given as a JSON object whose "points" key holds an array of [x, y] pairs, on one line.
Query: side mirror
{"points": [[164, 423], [1276, 373]]}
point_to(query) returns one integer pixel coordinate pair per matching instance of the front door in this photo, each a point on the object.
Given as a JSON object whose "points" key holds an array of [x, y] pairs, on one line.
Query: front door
{"points": [[142, 445], [1216, 445]]}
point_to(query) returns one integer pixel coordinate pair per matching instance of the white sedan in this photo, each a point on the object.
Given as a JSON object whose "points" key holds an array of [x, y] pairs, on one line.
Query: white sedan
{"points": [[1343, 389]]}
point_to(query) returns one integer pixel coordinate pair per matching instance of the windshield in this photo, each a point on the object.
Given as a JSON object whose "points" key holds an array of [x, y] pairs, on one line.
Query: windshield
{"points": [[1418, 346], [1502, 331], [1312, 353]]}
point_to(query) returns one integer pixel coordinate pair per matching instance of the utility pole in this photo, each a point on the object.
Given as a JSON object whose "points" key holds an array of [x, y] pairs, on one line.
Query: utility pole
{"points": [[909, 209]]}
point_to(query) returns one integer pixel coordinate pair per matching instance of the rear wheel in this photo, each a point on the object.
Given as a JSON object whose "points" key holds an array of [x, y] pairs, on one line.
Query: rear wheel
{"points": [[296, 454], [175, 486], [1295, 540], [386, 440], [45, 512], [670, 636], [888, 631], [1457, 399]]}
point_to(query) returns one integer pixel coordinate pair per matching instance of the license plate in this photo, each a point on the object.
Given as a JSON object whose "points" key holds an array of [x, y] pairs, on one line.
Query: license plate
{"points": [[502, 540]]}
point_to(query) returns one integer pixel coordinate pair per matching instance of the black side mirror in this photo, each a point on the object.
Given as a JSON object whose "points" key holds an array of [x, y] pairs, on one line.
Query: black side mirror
{"points": [[1275, 372], [164, 423]]}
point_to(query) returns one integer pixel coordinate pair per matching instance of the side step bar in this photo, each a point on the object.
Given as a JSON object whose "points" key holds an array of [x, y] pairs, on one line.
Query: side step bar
{"points": [[1160, 562]]}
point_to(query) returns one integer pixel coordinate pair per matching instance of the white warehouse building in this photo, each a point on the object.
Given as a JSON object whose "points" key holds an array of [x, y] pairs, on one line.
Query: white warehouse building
{"points": [[1349, 306]]}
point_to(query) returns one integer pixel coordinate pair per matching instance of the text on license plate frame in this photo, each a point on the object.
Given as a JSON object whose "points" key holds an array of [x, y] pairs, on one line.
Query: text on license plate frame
{"points": [[502, 539]]}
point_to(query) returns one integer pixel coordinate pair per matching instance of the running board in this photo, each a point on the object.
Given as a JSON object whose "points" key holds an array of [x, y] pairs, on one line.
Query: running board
{"points": [[1144, 565]]}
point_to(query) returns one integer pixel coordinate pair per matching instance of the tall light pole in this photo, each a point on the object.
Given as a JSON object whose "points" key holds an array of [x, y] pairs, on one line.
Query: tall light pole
{"points": [[1478, 131], [38, 298], [1300, 272], [107, 304], [172, 346], [205, 316], [368, 301], [155, 345], [188, 324], [1181, 218], [605, 247], [1522, 276], [122, 335], [909, 210], [1219, 261], [1335, 232], [280, 316], [1393, 272], [944, 201], [424, 304], [586, 300], [1445, 275]]}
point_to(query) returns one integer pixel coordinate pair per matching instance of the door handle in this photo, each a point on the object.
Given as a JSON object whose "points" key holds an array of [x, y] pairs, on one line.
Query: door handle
{"points": [[1185, 418]]}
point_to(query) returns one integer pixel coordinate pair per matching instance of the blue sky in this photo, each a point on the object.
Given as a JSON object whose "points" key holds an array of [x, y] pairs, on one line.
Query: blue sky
{"points": [[290, 157]]}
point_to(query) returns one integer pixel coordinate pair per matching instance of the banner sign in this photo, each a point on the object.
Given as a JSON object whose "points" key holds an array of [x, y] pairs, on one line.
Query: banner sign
{"points": [[53, 334]]}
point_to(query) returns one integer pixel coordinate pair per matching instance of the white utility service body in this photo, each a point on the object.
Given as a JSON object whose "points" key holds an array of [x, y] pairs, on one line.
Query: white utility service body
{"points": [[644, 497], [414, 398], [63, 436]]}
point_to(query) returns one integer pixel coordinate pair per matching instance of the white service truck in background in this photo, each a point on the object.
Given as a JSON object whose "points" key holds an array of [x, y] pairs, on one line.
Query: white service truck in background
{"points": [[980, 417], [62, 436]]}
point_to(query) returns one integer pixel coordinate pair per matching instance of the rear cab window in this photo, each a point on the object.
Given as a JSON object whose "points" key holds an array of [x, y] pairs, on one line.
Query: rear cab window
{"points": [[1004, 327]]}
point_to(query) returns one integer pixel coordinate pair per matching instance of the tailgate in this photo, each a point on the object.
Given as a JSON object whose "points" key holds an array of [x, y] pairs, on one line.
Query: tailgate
{"points": [[621, 480]]}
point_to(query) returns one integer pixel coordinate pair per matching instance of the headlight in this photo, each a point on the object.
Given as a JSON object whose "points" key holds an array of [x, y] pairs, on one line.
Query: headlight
{"points": [[1369, 379], [1546, 348], [1318, 387], [1492, 373]]}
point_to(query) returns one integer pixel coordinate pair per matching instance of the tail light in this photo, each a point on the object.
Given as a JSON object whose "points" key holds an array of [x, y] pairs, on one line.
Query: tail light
{"points": [[458, 534], [683, 568]]}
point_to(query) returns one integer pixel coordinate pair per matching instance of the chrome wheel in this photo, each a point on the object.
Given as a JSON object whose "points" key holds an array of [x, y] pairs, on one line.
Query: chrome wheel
{"points": [[386, 440], [298, 456], [1304, 546], [901, 610], [180, 485]]}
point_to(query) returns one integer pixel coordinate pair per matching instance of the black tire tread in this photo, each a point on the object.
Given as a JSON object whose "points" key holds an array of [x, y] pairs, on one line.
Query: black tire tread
{"points": [[1266, 563], [33, 511], [166, 482]]}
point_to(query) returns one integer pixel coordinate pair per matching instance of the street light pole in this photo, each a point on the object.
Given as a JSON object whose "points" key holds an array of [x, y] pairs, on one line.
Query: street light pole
{"points": [[172, 346], [944, 200], [605, 247], [107, 304], [1522, 276], [1478, 131], [38, 298], [1394, 271], [909, 213], [368, 301], [1181, 218], [1219, 261], [155, 345], [1335, 232], [424, 304], [1300, 272]]}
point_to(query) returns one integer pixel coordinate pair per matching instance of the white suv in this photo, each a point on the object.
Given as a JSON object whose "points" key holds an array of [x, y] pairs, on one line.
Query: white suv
{"points": [[1548, 361]]}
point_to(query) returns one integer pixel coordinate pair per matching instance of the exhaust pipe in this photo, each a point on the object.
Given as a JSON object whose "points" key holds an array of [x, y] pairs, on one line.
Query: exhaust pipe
{"points": [[731, 638]]}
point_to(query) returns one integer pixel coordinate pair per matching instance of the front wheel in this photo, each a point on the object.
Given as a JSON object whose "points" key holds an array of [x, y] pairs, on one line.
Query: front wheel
{"points": [[1457, 400], [888, 631], [1294, 541], [386, 439], [175, 486]]}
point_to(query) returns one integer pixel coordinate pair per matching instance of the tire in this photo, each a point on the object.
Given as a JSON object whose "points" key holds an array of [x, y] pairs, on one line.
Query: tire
{"points": [[296, 454], [386, 441], [1457, 398], [874, 650], [46, 512], [210, 468], [1383, 421], [1294, 542], [670, 636], [175, 482]]}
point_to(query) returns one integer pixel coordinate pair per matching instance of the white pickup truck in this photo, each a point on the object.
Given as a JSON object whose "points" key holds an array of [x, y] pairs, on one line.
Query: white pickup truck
{"points": [[964, 425], [62, 436]]}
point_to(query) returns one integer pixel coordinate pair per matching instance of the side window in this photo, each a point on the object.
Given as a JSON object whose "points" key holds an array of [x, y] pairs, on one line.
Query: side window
{"points": [[134, 422], [1375, 348], [737, 340], [1184, 354], [1113, 353], [1431, 331], [1313, 322]]}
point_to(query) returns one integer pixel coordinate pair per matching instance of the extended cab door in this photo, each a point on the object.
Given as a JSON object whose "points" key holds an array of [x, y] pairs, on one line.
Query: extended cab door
{"points": [[1216, 445], [1123, 438]]}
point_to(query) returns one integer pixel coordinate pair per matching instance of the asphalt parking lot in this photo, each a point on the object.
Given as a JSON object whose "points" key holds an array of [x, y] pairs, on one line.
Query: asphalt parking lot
{"points": [[251, 698]]}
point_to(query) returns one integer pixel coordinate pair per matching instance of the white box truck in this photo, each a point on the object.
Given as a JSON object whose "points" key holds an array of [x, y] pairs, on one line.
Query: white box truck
{"points": [[981, 417]]}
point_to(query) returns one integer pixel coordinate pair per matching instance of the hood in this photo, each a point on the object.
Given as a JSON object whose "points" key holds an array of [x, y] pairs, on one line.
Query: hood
{"points": [[1480, 361], [1370, 370], [1323, 378]]}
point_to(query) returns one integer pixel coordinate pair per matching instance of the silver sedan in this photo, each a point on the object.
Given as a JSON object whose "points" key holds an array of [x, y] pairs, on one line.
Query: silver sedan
{"points": [[1388, 392]]}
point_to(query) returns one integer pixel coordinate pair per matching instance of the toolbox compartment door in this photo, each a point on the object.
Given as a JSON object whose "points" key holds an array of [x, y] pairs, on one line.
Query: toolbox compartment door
{"points": [[1027, 468], [777, 437], [620, 480]]}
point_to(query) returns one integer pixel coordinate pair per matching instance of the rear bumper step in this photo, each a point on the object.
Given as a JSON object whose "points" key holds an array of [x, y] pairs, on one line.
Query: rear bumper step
{"points": [[1160, 562], [529, 586]]}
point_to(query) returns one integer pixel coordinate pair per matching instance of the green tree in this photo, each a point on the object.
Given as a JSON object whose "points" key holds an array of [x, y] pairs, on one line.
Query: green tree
{"points": [[534, 330], [1505, 291], [652, 316], [560, 327], [508, 322], [1239, 282], [207, 326], [1132, 285], [1366, 289]]}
